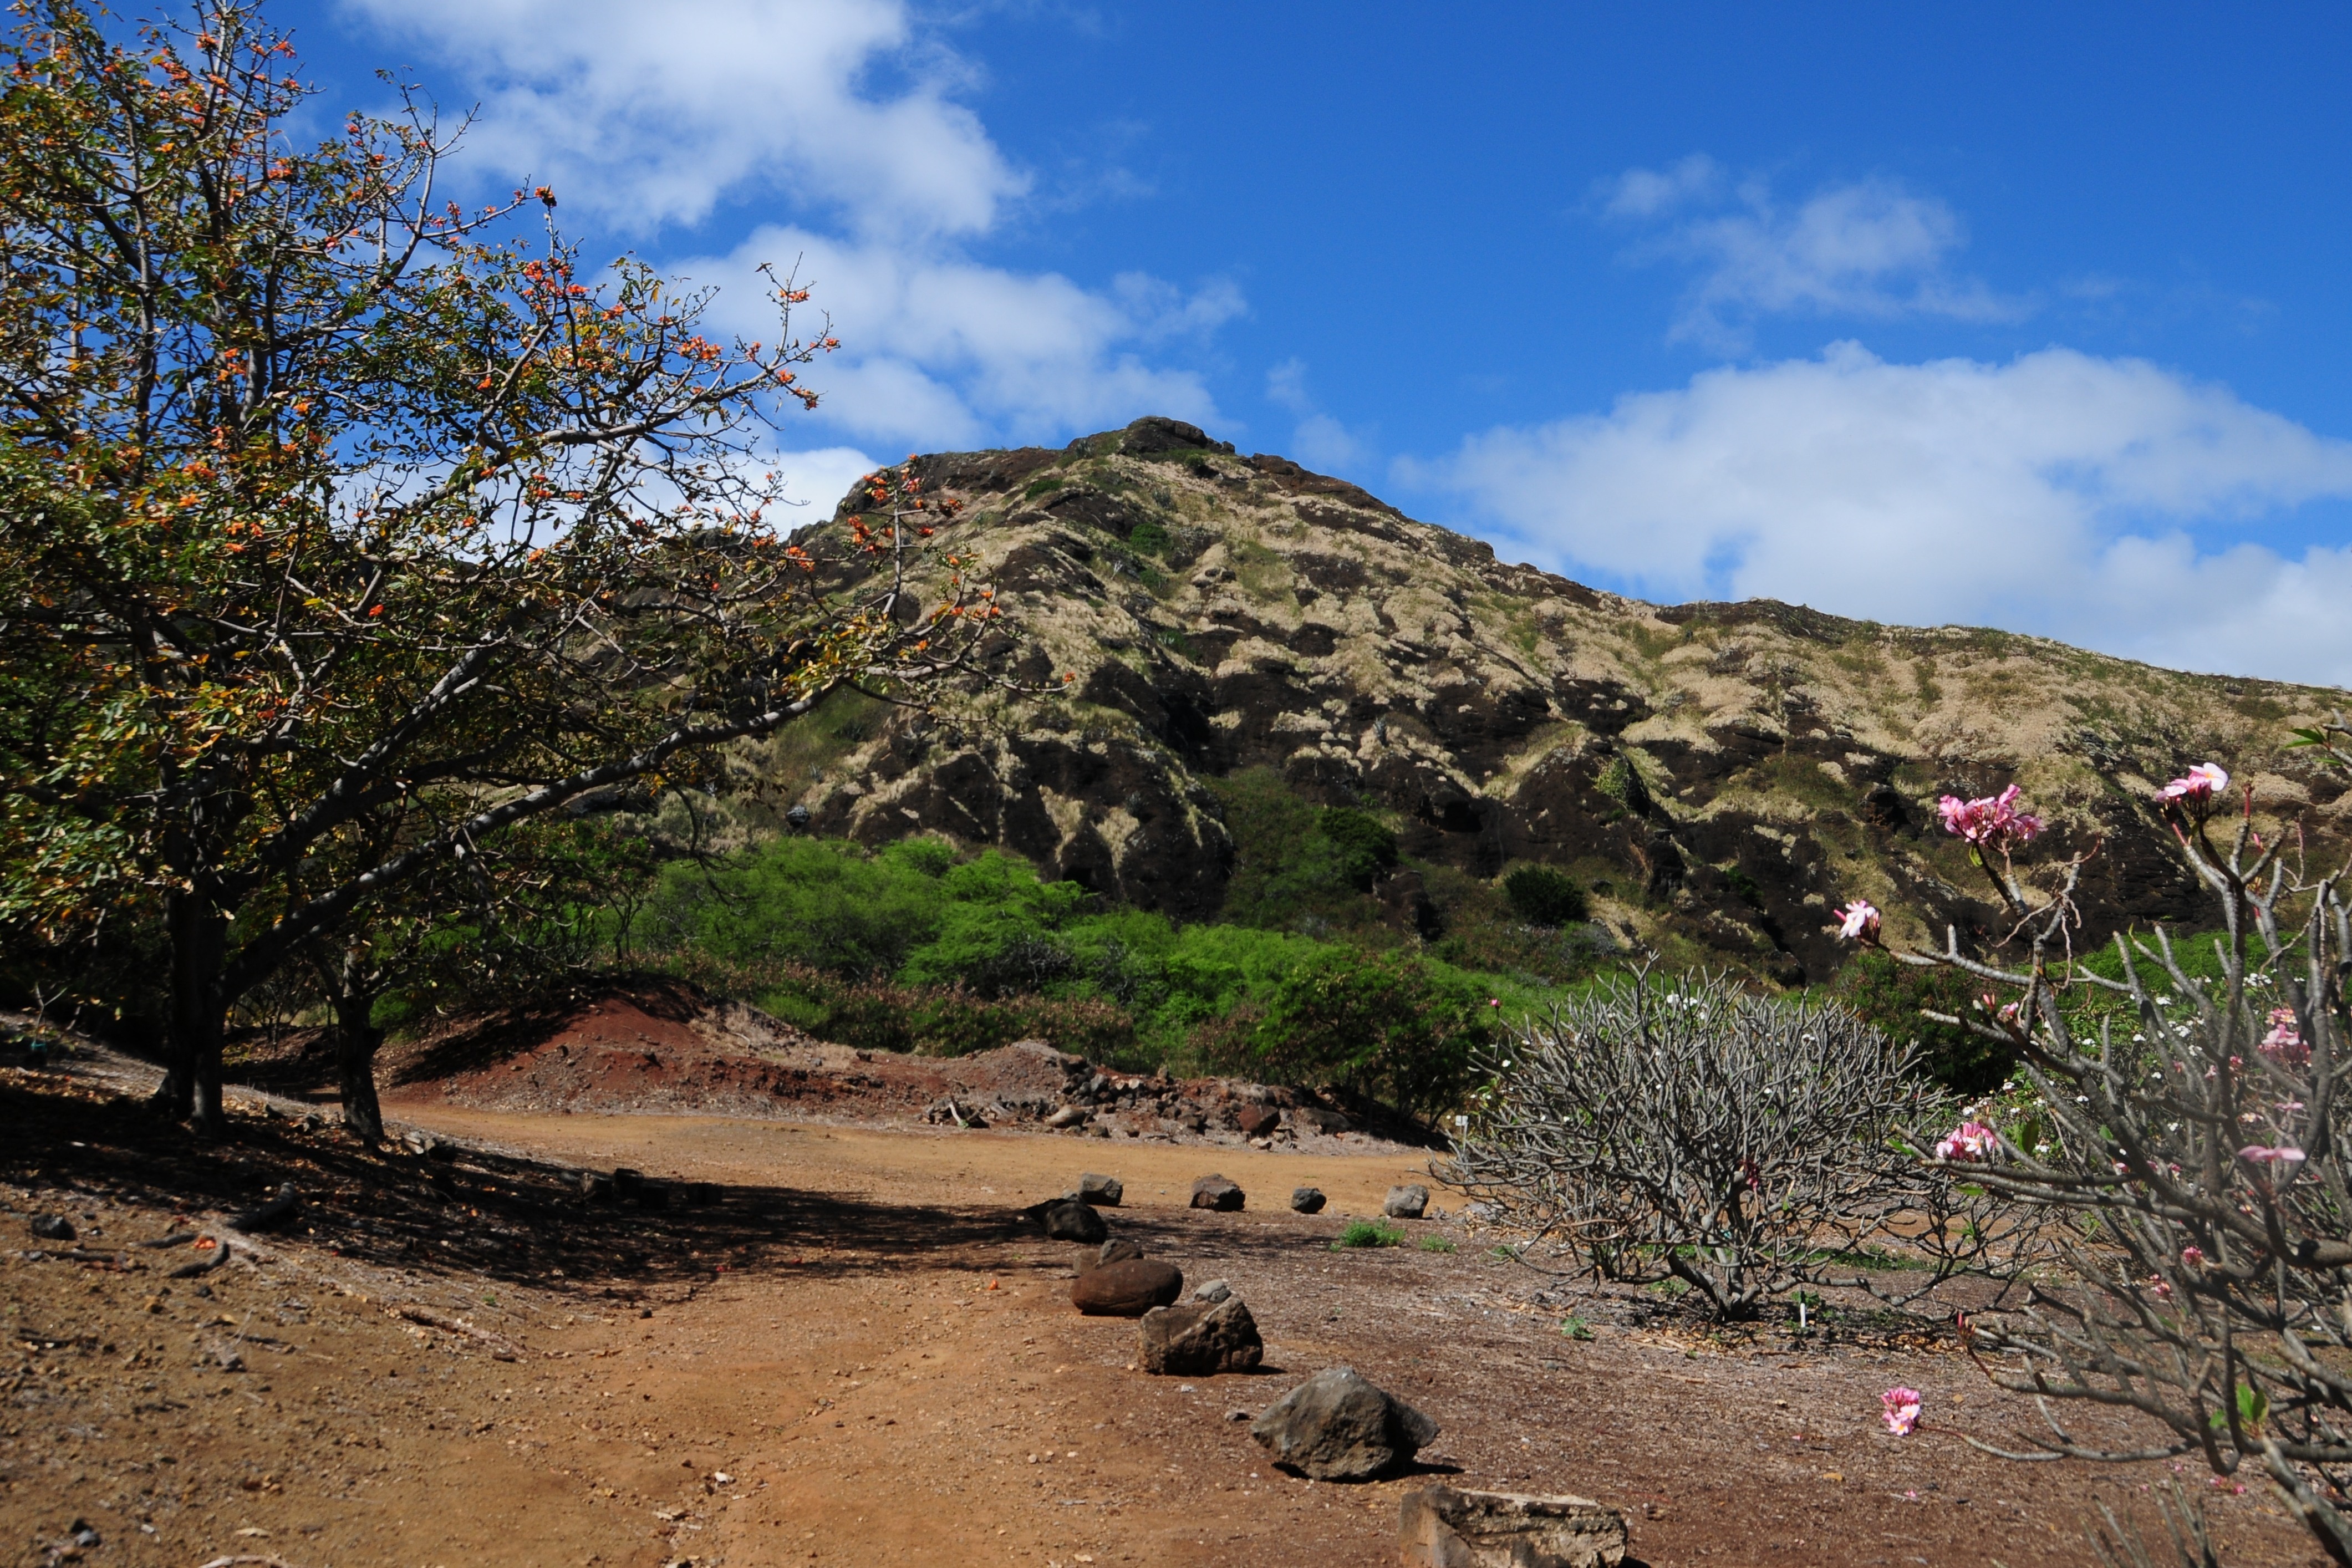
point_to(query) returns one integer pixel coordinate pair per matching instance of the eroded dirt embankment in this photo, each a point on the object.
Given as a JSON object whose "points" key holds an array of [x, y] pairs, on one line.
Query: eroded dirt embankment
{"points": [[663, 1046]]}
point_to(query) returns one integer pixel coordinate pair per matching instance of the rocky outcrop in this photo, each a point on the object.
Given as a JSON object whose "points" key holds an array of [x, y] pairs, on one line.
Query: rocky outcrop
{"points": [[1720, 776]]}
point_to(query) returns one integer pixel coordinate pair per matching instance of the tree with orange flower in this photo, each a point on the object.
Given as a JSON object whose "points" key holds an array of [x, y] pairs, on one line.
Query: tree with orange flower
{"points": [[343, 529]]}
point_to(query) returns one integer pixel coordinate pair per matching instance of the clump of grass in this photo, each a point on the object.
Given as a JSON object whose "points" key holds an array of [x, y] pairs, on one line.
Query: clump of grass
{"points": [[1369, 1232], [1575, 1328], [1436, 1243]]}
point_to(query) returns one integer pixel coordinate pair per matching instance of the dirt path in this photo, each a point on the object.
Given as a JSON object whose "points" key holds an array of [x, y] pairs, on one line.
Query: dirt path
{"points": [[856, 1357]]}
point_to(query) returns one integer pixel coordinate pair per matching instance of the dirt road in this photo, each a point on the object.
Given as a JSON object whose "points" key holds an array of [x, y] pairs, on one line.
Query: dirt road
{"points": [[859, 1356]]}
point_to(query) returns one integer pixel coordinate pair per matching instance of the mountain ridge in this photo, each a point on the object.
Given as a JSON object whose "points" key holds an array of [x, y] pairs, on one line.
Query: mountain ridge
{"points": [[1720, 774]]}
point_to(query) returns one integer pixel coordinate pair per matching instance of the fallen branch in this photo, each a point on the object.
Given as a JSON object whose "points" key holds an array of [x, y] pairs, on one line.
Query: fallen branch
{"points": [[177, 1238], [212, 1260], [501, 1347]]}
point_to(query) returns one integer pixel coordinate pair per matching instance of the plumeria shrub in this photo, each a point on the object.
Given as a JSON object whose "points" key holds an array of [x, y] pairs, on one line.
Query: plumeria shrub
{"points": [[2187, 1133], [1744, 1145]]}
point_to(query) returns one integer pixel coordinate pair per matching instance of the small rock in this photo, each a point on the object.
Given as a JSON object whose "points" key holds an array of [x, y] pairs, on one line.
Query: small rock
{"points": [[1336, 1426], [1103, 1191], [1218, 1194], [1127, 1289], [1316, 1119], [1215, 1290], [1069, 1220], [1067, 1115], [1407, 1202], [1307, 1199], [1119, 1249], [1237, 1414], [1439, 1527], [1200, 1339], [1258, 1120], [53, 1228]]}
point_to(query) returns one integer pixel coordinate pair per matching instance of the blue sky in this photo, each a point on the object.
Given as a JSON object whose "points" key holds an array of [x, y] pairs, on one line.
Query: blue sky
{"points": [[2033, 317]]}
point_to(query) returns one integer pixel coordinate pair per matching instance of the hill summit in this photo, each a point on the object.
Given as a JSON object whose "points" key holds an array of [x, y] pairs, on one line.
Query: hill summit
{"points": [[1719, 775]]}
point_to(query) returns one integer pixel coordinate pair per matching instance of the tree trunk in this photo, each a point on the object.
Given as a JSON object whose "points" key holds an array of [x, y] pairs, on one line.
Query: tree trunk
{"points": [[356, 1041], [191, 1089]]}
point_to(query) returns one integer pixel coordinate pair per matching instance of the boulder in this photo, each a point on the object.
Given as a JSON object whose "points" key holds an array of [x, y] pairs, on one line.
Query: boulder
{"points": [[1068, 1116], [1317, 1120], [1307, 1199], [1406, 1202], [1258, 1120], [1336, 1426], [1439, 1527], [1216, 1193], [1103, 1191], [1066, 1219], [53, 1228], [1200, 1339], [1215, 1290], [1127, 1289]]}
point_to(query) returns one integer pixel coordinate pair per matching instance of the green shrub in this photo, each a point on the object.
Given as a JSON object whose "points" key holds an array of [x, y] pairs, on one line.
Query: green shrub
{"points": [[1149, 539], [1369, 1232], [1366, 849], [1890, 997], [930, 1020], [1436, 1243], [1400, 1029], [1543, 897], [1294, 861]]}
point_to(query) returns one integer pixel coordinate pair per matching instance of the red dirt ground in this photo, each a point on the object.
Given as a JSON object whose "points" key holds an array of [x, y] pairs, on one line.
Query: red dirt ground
{"points": [[879, 1358]]}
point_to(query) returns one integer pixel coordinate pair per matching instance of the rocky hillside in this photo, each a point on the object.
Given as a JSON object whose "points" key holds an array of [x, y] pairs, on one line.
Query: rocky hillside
{"points": [[1720, 776]]}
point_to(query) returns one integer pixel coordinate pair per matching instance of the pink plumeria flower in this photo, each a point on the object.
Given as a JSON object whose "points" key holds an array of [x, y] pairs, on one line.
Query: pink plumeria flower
{"points": [[2279, 1157], [2285, 1044], [1969, 1140], [1858, 921], [2156, 1283], [1989, 822], [1899, 1408], [2198, 786], [2194, 1256]]}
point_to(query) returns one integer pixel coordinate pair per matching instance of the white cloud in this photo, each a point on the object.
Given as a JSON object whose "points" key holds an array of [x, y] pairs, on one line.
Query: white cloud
{"points": [[944, 350], [838, 111], [653, 114], [2058, 493], [1867, 250], [815, 480], [1647, 193], [1318, 440]]}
